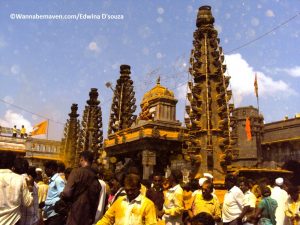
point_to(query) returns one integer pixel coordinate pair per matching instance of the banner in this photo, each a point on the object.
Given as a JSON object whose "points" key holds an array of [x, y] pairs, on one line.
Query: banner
{"points": [[40, 128], [248, 129]]}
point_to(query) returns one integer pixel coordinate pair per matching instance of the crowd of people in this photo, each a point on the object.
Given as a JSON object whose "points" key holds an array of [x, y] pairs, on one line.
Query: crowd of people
{"points": [[83, 196]]}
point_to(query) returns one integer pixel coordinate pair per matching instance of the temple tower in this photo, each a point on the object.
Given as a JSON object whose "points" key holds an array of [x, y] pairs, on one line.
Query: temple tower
{"points": [[70, 140], [209, 141], [250, 147], [123, 104], [91, 135], [159, 104]]}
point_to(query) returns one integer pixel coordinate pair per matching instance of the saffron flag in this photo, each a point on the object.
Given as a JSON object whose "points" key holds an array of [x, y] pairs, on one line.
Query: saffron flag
{"points": [[40, 128], [248, 129], [256, 86]]}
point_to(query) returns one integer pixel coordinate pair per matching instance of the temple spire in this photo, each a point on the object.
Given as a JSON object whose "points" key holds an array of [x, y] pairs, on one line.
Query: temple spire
{"points": [[91, 136], [70, 140], [123, 104], [208, 120]]}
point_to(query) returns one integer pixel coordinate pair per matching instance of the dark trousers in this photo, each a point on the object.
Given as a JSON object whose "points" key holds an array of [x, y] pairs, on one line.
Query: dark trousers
{"points": [[56, 220], [234, 222]]}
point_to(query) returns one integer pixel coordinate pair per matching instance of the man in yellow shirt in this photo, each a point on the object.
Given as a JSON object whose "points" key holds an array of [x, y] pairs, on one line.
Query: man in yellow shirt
{"points": [[132, 209], [23, 131], [206, 202]]}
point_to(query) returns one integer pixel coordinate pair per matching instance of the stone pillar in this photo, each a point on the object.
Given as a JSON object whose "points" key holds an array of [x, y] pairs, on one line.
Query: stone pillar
{"points": [[148, 161]]}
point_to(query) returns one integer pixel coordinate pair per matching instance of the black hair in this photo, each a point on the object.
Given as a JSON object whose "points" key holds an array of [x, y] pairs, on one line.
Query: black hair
{"points": [[61, 167], [7, 160], [88, 156], [231, 178], [203, 218], [177, 176], [21, 166], [51, 165], [211, 185], [133, 179], [32, 172]]}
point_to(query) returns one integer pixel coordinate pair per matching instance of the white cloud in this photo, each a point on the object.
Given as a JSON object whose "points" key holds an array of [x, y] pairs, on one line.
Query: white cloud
{"points": [[93, 46], [294, 71], [270, 13], [242, 80], [11, 118]]}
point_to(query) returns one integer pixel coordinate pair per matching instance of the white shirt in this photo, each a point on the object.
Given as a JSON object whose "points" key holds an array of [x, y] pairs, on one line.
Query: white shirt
{"points": [[173, 206], [102, 198], [281, 197], [234, 201], [250, 199], [13, 194], [30, 215]]}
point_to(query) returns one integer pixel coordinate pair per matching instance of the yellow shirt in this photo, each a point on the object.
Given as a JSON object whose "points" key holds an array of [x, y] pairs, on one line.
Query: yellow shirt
{"points": [[23, 130], [187, 199], [42, 191], [140, 211], [293, 209], [211, 207]]}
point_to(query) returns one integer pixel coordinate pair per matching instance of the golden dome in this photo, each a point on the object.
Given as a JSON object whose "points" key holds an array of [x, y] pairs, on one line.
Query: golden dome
{"points": [[158, 92]]}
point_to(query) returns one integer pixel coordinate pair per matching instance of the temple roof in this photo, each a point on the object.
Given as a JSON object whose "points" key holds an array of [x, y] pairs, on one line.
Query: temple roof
{"points": [[158, 92]]}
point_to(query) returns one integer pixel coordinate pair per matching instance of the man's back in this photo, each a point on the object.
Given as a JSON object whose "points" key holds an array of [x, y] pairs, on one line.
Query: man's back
{"points": [[83, 188], [14, 193]]}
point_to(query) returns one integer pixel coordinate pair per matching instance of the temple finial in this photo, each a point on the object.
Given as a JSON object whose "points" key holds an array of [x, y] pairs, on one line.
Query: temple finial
{"points": [[158, 80]]}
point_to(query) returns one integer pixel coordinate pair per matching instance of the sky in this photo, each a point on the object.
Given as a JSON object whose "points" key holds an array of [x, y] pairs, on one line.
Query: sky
{"points": [[48, 64]]}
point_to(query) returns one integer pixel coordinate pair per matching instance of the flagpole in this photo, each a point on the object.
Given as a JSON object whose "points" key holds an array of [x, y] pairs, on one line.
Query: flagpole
{"points": [[256, 91], [257, 100], [47, 129]]}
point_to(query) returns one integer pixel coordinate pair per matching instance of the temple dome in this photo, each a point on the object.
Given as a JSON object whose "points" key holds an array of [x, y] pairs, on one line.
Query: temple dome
{"points": [[158, 92]]}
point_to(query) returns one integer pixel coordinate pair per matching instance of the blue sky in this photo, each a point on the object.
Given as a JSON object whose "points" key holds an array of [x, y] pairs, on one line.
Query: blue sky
{"points": [[46, 65]]}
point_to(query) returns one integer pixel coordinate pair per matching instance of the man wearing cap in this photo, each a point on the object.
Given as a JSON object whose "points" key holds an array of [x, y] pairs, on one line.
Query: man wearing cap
{"points": [[281, 197]]}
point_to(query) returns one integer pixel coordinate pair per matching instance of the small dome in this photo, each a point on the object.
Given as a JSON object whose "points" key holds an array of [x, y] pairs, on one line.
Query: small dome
{"points": [[158, 92]]}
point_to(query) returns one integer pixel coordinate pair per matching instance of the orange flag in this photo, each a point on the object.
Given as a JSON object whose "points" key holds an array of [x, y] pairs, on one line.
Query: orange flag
{"points": [[40, 128], [248, 129], [256, 86]]}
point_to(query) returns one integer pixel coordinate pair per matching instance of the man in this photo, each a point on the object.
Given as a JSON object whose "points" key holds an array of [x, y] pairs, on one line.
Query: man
{"points": [[202, 218], [82, 189], [14, 131], [206, 202], [250, 201], [55, 187], [234, 202], [281, 197], [15, 191], [155, 193], [23, 131], [116, 184], [173, 204], [29, 215], [132, 209]]}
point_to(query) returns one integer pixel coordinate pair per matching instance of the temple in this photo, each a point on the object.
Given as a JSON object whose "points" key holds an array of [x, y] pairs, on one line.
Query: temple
{"points": [[215, 137]]}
